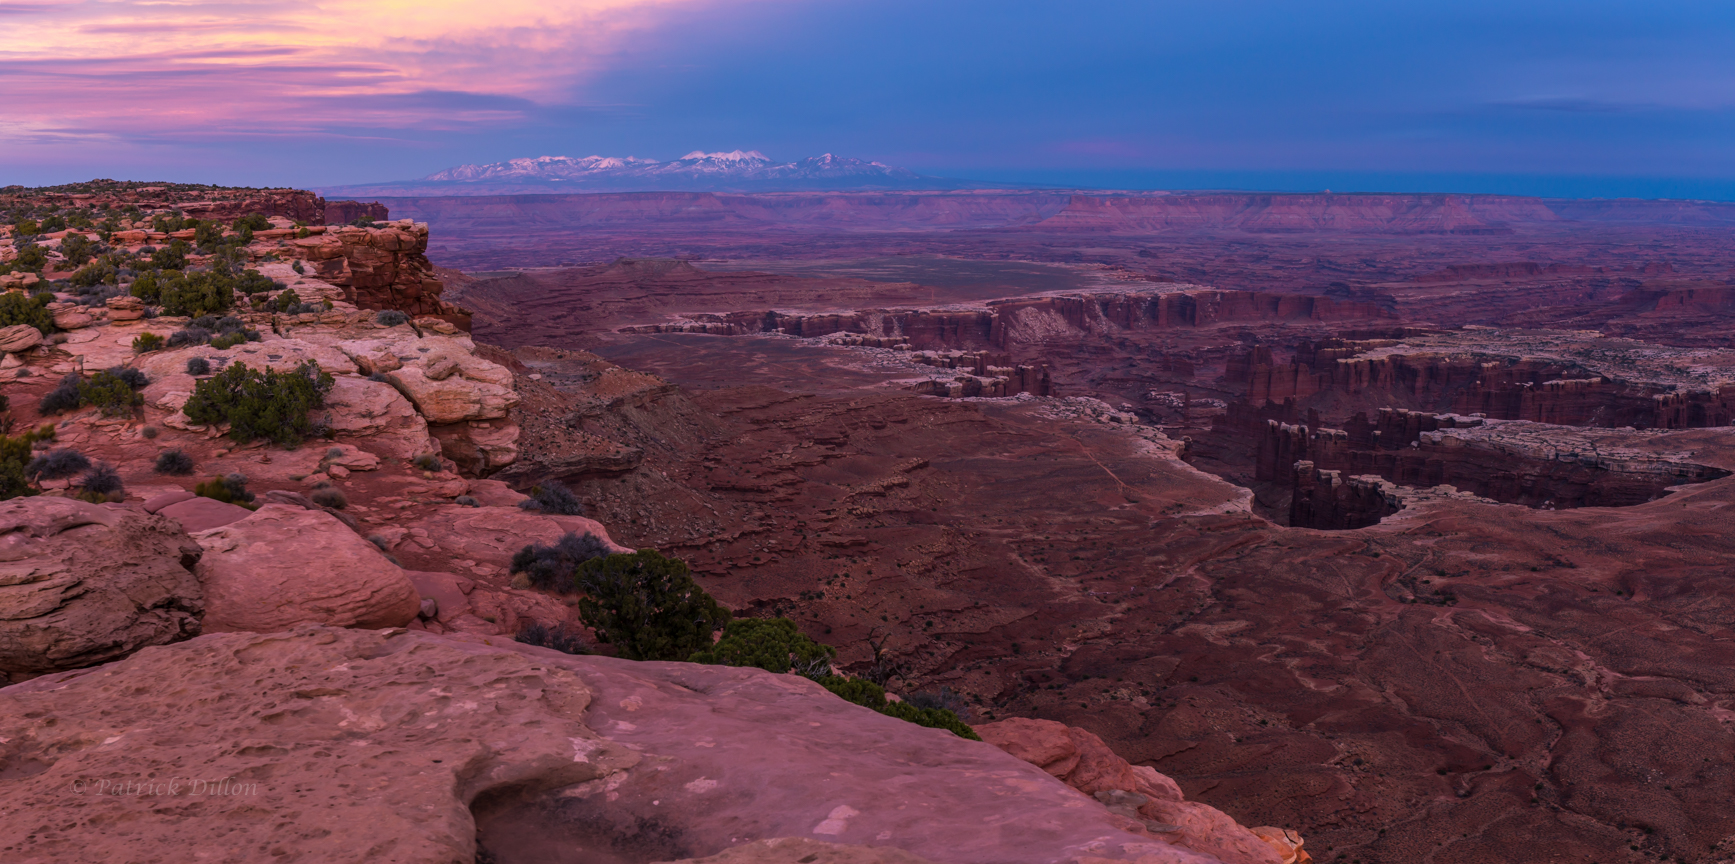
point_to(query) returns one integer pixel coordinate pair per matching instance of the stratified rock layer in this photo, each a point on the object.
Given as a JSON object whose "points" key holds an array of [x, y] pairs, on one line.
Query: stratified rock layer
{"points": [[82, 584]]}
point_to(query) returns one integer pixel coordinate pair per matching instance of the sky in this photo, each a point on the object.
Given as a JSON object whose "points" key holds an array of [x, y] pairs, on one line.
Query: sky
{"points": [[1579, 99]]}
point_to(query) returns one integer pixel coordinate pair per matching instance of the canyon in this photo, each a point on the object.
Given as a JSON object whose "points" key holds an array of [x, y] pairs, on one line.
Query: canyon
{"points": [[1397, 522], [1332, 525]]}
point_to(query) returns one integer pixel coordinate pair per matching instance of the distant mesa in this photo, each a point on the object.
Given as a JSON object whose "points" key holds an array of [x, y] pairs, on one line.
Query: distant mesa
{"points": [[698, 171]]}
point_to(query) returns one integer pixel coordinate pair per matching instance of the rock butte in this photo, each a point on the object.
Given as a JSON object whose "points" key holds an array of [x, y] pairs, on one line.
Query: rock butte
{"points": [[1396, 522]]}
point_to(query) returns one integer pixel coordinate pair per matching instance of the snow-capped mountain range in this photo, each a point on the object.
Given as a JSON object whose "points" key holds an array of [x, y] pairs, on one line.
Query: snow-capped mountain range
{"points": [[732, 171]]}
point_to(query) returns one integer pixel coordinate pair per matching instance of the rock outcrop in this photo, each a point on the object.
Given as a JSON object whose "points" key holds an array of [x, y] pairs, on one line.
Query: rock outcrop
{"points": [[19, 337], [521, 750], [286, 565], [446, 391], [1148, 799], [344, 212], [82, 584], [382, 267], [195, 200]]}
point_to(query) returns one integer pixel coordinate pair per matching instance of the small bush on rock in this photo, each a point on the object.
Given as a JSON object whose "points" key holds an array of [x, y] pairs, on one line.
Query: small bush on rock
{"points": [[56, 465], [868, 694], [557, 637], [16, 456], [147, 342], [552, 567], [391, 318], [111, 392], [150, 432], [15, 308], [31, 258], [254, 282], [772, 644], [93, 274], [101, 483], [171, 257], [194, 294], [466, 501], [285, 300], [189, 335], [943, 699], [260, 404], [175, 462], [198, 366], [134, 378], [647, 606], [552, 496], [329, 497], [229, 490], [64, 396]]}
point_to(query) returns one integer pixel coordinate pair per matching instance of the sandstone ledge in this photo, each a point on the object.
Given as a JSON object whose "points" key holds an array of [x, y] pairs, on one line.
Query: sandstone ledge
{"points": [[398, 746]]}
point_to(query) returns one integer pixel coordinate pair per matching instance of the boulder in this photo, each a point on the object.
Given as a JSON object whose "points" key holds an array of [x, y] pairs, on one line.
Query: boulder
{"points": [[379, 361], [456, 398], [72, 319], [19, 338], [361, 408], [1081, 760], [284, 565], [480, 447], [449, 592], [202, 514], [416, 749], [82, 584], [156, 503], [125, 308], [490, 536], [441, 369]]}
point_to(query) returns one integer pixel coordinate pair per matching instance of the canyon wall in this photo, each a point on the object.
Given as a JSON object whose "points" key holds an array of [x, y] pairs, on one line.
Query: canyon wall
{"points": [[682, 211], [345, 212], [199, 202], [1253, 213], [1333, 373], [1514, 463], [1283, 214], [1008, 325], [384, 267]]}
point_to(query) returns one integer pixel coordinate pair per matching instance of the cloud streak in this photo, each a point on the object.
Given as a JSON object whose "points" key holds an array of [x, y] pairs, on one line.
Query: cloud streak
{"points": [[90, 70]]}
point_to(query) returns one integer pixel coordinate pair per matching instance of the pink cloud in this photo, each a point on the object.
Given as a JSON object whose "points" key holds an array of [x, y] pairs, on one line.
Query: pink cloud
{"points": [[143, 71]]}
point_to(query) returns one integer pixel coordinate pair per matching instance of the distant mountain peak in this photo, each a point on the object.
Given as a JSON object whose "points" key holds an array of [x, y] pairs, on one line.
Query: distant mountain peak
{"points": [[749, 156], [731, 170]]}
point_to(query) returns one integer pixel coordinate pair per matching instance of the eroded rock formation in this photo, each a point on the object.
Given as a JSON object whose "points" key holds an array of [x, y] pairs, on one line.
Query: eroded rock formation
{"points": [[82, 584]]}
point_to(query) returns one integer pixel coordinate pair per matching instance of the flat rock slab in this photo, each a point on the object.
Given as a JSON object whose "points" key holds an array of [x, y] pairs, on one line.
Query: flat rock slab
{"points": [[201, 514], [326, 744], [156, 503]]}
